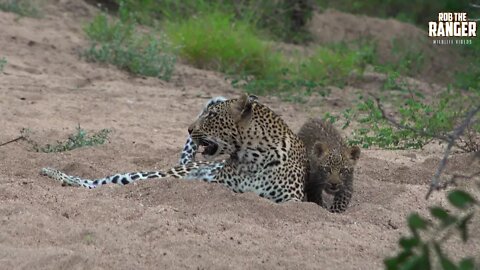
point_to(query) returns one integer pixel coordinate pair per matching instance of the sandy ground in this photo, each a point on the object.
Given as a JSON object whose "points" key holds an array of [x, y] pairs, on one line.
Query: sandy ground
{"points": [[170, 223]]}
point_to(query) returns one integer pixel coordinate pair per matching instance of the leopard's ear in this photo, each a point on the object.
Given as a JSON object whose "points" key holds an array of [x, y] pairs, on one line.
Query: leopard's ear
{"points": [[354, 153], [320, 149], [241, 109], [252, 97]]}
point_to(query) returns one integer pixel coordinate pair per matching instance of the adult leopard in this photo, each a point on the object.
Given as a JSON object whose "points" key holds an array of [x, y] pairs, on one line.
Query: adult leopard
{"points": [[265, 156]]}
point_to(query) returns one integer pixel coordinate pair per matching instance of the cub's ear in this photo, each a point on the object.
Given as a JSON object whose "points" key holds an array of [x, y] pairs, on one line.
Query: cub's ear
{"points": [[241, 109], [320, 149], [354, 153]]}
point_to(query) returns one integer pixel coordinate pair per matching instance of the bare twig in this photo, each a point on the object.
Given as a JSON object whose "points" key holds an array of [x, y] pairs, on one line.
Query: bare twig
{"points": [[14, 140], [435, 183], [453, 179]]}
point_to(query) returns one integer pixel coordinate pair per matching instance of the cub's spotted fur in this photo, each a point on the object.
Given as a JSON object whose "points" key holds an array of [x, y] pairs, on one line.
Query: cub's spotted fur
{"points": [[331, 164]]}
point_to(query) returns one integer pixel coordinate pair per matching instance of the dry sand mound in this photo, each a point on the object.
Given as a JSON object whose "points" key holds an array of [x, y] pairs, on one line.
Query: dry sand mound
{"points": [[170, 223]]}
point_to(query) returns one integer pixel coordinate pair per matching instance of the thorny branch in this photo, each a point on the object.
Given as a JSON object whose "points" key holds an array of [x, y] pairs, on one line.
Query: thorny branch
{"points": [[435, 184], [450, 139], [418, 131]]}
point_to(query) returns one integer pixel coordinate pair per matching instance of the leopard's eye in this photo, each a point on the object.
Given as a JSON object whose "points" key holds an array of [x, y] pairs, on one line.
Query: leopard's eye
{"points": [[212, 113], [327, 169]]}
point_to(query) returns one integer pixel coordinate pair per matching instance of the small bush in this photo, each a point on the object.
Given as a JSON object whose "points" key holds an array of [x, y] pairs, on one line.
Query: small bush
{"points": [[406, 59], [469, 78], [3, 62], [215, 41], [119, 44], [335, 64], [285, 19], [286, 87], [76, 140], [422, 122], [423, 248], [331, 67], [25, 8]]}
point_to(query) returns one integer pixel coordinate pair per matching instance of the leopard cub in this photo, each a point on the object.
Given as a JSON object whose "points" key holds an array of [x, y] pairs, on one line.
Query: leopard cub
{"points": [[331, 164]]}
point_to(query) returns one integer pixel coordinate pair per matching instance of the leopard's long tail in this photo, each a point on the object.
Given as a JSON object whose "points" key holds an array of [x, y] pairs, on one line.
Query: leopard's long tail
{"points": [[205, 171]]}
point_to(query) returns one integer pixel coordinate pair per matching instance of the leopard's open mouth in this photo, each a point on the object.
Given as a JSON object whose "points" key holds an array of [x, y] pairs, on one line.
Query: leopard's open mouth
{"points": [[210, 148]]}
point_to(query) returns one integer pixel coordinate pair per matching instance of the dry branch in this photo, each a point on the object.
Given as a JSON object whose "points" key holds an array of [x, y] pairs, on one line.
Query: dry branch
{"points": [[14, 140], [435, 184]]}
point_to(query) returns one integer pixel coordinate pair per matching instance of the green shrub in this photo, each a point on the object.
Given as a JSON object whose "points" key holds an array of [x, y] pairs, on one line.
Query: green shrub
{"points": [[469, 78], [283, 85], [118, 43], [3, 62], [331, 66], [407, 58], [284, 19], [335, 64], [26, 8], [423, 248], [422, 122], [76, 140], [215, 41]]}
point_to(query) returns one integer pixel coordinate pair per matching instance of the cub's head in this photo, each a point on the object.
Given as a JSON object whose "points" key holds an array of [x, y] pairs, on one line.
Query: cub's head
{"points": [[333, 166], [219, 125]]}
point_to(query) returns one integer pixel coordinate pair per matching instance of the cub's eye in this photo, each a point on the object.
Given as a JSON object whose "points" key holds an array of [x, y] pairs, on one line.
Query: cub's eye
{"points": [[327, 169], [343, 170]]}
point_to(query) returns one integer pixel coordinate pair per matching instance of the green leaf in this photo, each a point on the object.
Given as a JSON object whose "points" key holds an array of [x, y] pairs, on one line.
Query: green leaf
{"points": [[413, 263], [467, 264], [445, 262], [441, 214], [415, 221], [425, 262], [462, 227], [394, 263], [460, 199], [391, 263], [409, 242], [421, 261]]}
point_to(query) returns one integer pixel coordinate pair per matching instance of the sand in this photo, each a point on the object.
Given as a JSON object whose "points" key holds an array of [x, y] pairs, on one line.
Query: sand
{"points": [[170, 224]]}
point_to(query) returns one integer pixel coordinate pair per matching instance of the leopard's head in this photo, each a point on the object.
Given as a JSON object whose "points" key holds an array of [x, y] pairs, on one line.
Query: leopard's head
{"points": [[333, 165], [220, 124]]}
